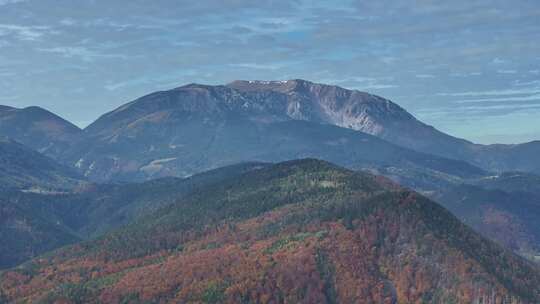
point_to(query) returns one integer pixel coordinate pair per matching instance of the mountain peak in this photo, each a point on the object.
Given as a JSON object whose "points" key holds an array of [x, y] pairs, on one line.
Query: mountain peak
{"points": [[38, 129], [274, 85]]}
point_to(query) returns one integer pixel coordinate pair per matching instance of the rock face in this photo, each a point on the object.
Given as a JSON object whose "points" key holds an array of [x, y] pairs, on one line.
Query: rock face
{"points": [[196, 127], [38, 129], [302, 231], [337, 106], [380, 117]]}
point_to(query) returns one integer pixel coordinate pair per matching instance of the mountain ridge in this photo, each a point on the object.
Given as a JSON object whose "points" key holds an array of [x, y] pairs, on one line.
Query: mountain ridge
{"points": [[297, 99], [38, 129]]}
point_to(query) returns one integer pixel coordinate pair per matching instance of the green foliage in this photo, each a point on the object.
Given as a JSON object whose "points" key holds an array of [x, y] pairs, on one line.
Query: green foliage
{"points": [[214, 293], [130, 298], [292, 240], [75, 293], [83, 292]]}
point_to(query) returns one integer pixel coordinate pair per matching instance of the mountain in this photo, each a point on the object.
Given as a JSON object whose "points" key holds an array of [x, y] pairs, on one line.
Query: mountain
{"points": [[302, 231], [519, 157], [23, 168], [34, 223], [377, 116], [263, 102], [356, 110], [507, 217], [23, 232], [38, 129], [511, 182], [196, 127]]}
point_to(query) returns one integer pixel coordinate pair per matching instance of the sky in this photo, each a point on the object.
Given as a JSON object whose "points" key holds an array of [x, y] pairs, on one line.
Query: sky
{"points": [[470, 68]]}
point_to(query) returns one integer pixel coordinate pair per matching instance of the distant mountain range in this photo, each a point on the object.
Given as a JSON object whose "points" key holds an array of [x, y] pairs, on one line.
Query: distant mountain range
{"points": [[297, 231], [199, 127]]}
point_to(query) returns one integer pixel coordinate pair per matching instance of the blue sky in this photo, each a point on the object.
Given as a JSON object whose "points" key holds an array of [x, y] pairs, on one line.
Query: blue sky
{"points": [[470, 68]]}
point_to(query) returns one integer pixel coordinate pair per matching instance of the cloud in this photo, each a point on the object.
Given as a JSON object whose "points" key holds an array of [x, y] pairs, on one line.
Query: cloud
{"points": [[257, 66], [502, 99], [6, 2], [363, 83], [24, 32], [165, 81], [84, 53], [503, 107], [520, 83], [493, 92], [506, 71], [479, 111], [68, 22], [424, 76], [124, 84], [469, 74], [388, 59]]}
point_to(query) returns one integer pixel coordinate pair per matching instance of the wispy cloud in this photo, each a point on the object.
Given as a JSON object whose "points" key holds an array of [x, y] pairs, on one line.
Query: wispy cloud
{"points": [[6, 2], [84, 53], [469, 74], [502, 107], [25, 32], [128, 83], [424, 76], [468, 111], [363, 83], [505, 92], [506, 71], [166, 81], [502, 99], [257, 66]]}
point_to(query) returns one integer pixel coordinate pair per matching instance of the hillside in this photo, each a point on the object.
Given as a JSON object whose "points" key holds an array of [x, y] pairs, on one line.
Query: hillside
{"points": [[297, 232], [510, 218], [34, 223], [26, 234], [23, 168]]}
